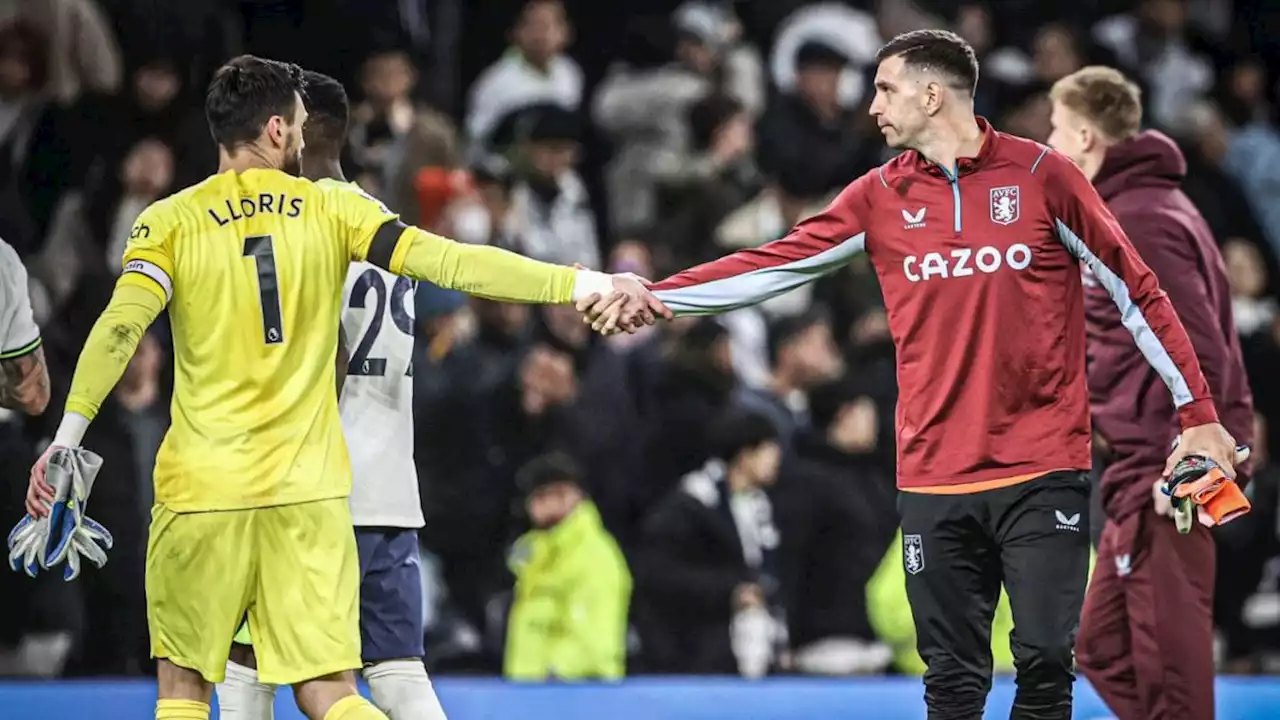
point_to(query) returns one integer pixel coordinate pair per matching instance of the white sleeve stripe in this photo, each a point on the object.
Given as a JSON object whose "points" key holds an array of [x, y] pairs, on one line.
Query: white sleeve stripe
{"points": [[153, 271], [758, 285], [1130, 315], [1036, 164]]}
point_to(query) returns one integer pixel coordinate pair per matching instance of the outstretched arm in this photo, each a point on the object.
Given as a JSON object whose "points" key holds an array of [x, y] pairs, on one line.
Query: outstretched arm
{"points": [[481, 270], [378, 236], [815, 247]]}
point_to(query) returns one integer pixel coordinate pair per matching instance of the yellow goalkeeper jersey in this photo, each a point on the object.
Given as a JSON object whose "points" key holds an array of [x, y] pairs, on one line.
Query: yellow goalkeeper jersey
{"points": [[252, 265]]}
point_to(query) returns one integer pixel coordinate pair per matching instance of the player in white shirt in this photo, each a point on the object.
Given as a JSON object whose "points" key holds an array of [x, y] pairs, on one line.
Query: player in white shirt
{"points": [[376, 405], [377, 398], [24, 378]]}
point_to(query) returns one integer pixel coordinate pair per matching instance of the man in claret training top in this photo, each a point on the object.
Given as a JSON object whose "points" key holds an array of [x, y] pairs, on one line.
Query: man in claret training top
{"points": [[977, 238], [1148, 659]]}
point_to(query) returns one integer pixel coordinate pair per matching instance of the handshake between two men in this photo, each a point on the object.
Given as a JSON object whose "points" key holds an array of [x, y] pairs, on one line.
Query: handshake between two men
{"points": [[630, 306]]}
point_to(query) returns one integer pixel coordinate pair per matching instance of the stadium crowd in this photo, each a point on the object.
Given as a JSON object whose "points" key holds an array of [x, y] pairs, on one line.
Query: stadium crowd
{"points": [[744, 466]]}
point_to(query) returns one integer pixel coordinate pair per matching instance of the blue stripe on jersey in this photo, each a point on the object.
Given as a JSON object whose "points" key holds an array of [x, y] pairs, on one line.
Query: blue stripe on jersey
{"points": [[954, 179], [1130, 315], [955, 195], [759, 285]]}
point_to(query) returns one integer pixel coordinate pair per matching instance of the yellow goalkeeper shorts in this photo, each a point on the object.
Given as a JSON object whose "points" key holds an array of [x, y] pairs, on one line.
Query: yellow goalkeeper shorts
{"points": [[293, 569]]}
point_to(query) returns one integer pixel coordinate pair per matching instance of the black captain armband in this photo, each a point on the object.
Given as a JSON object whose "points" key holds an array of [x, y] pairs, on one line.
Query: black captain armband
{"points": [[383, 245]]}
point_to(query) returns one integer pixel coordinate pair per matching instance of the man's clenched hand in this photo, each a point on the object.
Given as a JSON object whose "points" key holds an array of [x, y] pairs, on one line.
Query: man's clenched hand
{"points": [[1212, 441], [39, 493]]}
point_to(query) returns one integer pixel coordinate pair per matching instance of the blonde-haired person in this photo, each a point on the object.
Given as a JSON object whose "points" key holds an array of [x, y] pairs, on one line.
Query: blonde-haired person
{"points": [[1146, 630]]}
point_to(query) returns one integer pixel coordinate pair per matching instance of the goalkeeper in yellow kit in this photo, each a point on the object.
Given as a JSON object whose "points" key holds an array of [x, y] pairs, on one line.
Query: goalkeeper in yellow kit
{"points": [[252, 478]]}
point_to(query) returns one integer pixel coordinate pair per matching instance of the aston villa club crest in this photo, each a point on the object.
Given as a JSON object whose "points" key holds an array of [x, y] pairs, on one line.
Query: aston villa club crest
{"points": [[913, 554], [1004, 205]]}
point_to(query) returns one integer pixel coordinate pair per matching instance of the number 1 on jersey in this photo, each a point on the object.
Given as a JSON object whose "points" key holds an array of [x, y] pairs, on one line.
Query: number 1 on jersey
{"points": [[260, 249]]}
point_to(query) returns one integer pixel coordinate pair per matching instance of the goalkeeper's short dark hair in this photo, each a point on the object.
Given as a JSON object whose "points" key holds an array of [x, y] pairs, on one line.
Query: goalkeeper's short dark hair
{"points": [[328, 110], [245, 93], [741, 430]]}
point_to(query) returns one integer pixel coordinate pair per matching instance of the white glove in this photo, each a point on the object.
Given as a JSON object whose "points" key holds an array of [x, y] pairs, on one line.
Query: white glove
{"points": [[67, 534]]}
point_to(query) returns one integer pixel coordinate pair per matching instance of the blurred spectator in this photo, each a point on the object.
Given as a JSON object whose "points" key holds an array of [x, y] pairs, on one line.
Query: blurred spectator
{"points": [[973, 23], [1028, 112], [646, 112], [1158, 44], [707, 574], [602, 415], [483, 217], [88, 233], [1253, 309], [383, 118], [1000, 65], [423, 170], [201, 33], [35, 150], [791, 194], [1056, 53], [808, 127], [1215, 192], [146, 176], [837, 515], [689, 389], [535, 71], [157, 103], [697, 190], [741, 67], [1250, 154], [1246, 85], [718, 25], [83, 55], [803, 355], [852, 34], [569, 615], [550, 216]]}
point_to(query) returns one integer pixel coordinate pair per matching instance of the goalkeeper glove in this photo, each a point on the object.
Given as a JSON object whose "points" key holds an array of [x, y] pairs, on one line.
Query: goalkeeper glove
{"points": [[67, 534], [1199, 483]]}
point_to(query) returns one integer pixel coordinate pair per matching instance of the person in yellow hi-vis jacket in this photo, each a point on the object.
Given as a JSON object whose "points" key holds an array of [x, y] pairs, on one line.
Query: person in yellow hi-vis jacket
{"points": [[568, 618], [890, 616]]}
